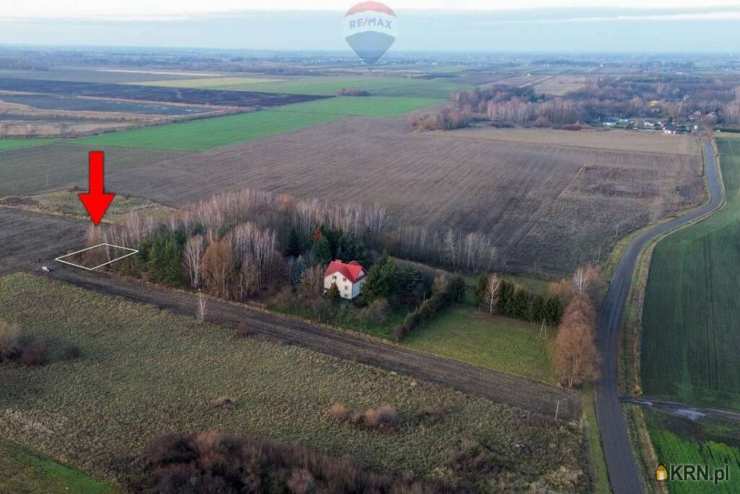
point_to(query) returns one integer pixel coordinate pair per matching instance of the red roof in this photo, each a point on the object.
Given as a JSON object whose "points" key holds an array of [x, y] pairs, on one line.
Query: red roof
{"points": [[371, 6], [353, 271]]}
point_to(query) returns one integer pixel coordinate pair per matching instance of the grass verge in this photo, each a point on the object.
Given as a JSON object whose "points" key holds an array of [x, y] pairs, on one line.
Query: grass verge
{"points": [[599, 473], [23, 471]]}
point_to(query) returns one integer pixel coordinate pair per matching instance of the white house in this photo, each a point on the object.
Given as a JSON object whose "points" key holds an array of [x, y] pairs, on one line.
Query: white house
{"points": [[349, 278]]}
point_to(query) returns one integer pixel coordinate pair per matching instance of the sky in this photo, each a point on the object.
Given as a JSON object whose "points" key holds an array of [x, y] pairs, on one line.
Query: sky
{"points": [[562, 26], [149, 8]]}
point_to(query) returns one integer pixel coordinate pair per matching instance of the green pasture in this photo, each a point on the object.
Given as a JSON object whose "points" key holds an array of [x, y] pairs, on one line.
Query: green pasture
{"points": [[201, 135], [691, 323], [9, 144]]}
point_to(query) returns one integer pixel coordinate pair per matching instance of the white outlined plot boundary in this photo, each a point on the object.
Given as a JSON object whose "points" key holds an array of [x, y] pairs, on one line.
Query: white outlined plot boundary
{"points": [[60, 259]]}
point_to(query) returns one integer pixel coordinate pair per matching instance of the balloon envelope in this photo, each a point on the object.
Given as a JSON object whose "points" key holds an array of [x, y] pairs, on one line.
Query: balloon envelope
{"points": [[370, 30]]}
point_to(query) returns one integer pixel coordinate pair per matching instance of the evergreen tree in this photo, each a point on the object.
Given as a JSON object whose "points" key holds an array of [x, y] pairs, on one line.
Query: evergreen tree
{"points": [[481, 287], [381, 280], [520, 304], [322, 251], [537, 309], [333, 293], [505, 299], [553, 311], [295, 245]]}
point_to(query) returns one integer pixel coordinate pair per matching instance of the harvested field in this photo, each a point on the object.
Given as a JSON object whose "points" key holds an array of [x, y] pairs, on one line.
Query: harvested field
{"points": [[36, 169], [327, 85], [547, 207], [33, 115], [615, 140], [84, 104], [144, 372], [148, 93], [561, 85], [27, 237], [110, 76], [67, 203]]}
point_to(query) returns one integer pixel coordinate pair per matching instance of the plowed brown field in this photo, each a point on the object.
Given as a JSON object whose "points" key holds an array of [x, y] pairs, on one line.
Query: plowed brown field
{"points": [[548, 206]]}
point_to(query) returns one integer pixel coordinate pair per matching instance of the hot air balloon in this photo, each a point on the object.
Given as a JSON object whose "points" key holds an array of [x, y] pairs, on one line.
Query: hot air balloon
{"points": [[370, 30]]}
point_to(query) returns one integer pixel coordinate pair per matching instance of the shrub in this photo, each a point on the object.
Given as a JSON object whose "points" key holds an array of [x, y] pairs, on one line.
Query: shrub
{"points": [[71, 352], [301, 482], [224, 402], [34, 353], [377, 312], [9, 341], [215, 462], [339, 411], [242, 330], [384, 417], [446, 292]]}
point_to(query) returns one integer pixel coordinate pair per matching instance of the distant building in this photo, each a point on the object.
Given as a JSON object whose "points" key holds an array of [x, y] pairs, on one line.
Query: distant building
{"points": [[349, 278]]}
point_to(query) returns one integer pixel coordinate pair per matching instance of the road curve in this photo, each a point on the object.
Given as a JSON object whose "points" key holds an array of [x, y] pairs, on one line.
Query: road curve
{"points": [[624, 475]]}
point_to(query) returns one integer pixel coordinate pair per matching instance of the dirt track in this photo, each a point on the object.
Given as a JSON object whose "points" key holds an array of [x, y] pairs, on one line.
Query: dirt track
{"points": [[498, 387]]}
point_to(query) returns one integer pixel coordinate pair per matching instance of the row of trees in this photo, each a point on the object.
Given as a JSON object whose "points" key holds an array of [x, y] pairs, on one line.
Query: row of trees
{"points": [[571, 306], [576, 357], [312, 230], [496, 295], [696, 98]]}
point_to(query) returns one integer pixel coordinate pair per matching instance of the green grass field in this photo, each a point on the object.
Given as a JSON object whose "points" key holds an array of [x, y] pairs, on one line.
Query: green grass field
{"points": [[681, 449], [691, 337], [201, 135], [23, 471], [326, 85], [498, 343], [9, 144], [144, 372]]}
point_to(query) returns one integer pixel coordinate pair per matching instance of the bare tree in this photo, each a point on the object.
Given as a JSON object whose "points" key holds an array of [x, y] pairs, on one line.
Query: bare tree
{"points": [[192, 257], [201, 315], [576, 356], [493, 290], [218, 268]]}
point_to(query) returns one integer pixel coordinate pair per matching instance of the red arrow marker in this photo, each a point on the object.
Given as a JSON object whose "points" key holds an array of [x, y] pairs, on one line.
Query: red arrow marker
{"points": [[95, 200]]}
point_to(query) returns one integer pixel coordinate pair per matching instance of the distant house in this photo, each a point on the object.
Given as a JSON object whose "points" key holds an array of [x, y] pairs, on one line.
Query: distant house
{"points": [[349, 278]]}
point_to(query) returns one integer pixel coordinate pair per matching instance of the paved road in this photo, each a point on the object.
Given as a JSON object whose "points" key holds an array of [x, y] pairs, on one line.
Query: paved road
{"points": [[496, 386], [624, 475]]}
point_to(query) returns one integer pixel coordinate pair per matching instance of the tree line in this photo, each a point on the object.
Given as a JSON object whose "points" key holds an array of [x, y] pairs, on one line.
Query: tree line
{"points": [[703, 100]]}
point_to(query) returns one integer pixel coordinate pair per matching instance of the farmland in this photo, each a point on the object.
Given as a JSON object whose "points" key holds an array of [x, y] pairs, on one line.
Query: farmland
{"points": [[23, 471], [32, 170], [144, 372], [548, 207], [326, 85], [153, 94], [25, 237], [201, 135], [690, 340], [8, 144], [677, 443], [32, 107]]}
